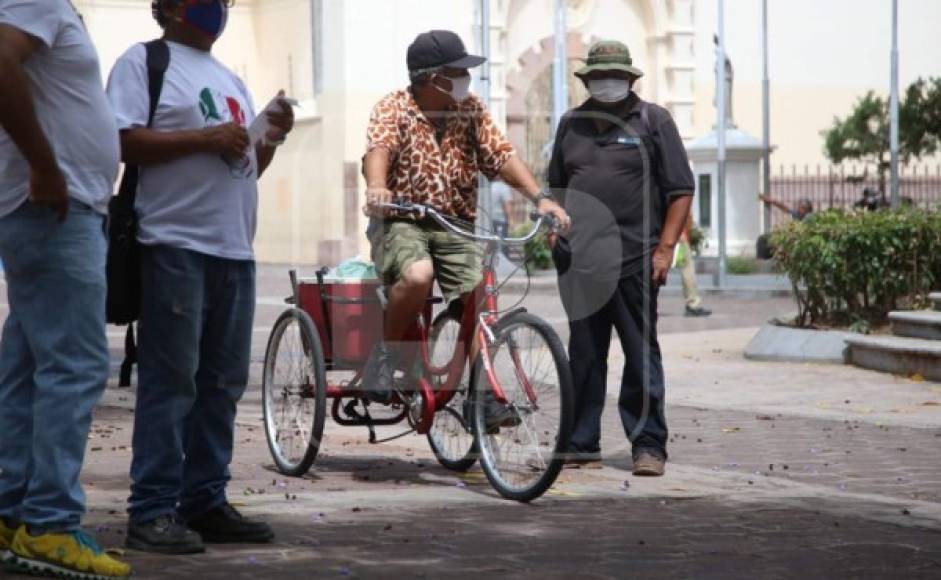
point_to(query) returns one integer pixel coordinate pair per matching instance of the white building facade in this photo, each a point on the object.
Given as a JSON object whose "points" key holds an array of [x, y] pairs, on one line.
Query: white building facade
{"points": [[338, 57]]}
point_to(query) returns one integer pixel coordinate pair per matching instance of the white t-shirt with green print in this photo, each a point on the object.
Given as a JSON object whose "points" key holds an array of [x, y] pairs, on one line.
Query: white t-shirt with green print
{"points": [[199, 202]]}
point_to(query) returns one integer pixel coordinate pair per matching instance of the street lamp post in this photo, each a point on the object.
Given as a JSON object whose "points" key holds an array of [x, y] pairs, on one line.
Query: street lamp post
{"points": [[894, 106], [559, 87], [483, 185], [485, 81], [766, 115], [721, 98]]}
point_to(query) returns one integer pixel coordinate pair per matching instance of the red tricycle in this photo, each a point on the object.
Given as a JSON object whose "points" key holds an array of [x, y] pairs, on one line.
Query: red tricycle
{"points": [[518, 363]]}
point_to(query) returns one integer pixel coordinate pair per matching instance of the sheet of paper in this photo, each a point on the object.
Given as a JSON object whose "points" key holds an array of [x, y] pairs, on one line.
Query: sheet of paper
{"points": [[260, 126]]}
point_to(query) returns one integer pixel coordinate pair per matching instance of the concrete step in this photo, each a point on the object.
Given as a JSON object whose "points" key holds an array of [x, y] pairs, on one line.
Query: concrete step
{"points": [[917, 324], [935, 297], [896, 355]]}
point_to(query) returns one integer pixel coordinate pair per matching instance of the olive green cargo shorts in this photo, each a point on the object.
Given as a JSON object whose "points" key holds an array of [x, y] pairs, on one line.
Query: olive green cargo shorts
{"points": [[401, 243]]}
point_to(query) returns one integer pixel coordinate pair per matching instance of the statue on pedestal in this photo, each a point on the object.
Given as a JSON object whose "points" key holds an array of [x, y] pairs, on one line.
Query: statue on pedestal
{"points": [[729, 82]]}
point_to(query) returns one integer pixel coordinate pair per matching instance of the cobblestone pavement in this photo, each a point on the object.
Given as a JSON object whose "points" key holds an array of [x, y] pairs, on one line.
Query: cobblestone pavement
{"points": [[758, 486], [642, 538], [848, 456]]}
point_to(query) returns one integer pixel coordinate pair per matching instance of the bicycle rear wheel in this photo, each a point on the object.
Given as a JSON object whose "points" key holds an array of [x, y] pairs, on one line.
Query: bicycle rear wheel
{"points": [[294, 393], [451, 437], [523, 460]]}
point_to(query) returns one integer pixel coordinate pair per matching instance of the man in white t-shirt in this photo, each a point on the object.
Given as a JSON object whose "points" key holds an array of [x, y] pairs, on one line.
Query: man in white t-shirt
{"points": [[196, 204], [58, 161]]}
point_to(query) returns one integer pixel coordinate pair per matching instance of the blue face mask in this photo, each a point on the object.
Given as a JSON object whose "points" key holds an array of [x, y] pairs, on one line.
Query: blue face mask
{"points": [[207, 17]]}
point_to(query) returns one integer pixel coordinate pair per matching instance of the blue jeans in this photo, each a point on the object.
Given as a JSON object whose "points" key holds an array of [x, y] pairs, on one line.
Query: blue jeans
{"points": [[53, 361], [194, 350]]}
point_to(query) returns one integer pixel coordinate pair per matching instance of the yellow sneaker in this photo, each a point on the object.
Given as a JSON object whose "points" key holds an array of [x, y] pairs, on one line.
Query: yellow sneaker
{"points": [[6, 538], [75, 556]]}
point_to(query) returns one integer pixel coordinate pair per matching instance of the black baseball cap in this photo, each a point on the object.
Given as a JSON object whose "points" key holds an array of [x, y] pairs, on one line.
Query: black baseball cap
{"points": [[440, 48]]}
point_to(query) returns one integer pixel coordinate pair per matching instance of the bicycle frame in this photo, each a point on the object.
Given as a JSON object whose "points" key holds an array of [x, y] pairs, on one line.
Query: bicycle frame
{"points": [[480, 317], [480, 326]]}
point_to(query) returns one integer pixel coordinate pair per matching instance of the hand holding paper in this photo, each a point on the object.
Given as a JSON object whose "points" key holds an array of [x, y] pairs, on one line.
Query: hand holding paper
{"points": [[273, 124]]}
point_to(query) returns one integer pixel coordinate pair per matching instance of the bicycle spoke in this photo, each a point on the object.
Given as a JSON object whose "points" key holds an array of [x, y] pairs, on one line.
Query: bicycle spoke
{"points": [[521, 456], [288, 396], [450, 437]]}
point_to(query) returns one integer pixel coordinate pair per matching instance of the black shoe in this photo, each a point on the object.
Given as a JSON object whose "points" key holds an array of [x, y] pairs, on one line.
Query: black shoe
{"points": [[378, 375], [576, 457], [225, 525], [497, 415], [164, 535], [698, 311]]}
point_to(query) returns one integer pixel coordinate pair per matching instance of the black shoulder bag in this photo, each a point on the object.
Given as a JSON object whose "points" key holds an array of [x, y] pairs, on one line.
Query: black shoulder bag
{"points": [[123, 266]]}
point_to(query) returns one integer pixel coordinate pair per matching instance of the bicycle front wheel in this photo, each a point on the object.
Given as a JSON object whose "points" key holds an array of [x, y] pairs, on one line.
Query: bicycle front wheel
{"points": [[522, 451]]}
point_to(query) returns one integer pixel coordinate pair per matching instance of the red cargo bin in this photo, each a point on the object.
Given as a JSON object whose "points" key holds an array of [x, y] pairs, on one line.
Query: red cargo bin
{"points": [[348, 315]]}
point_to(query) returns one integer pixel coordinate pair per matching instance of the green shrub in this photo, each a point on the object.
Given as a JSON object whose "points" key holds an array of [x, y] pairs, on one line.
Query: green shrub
{"points": [[537, 253], [740, 265], [848, 268]]}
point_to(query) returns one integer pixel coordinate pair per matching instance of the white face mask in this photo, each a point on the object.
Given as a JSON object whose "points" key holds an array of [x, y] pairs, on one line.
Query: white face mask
{"points": [[609, 90], [460, 88]]}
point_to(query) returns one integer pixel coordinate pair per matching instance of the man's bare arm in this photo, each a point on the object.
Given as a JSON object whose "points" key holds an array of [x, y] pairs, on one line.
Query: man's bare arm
{"points": [[519, 177], [17, 114], [18, 119], [778, 204], [675, 222], [376, 169], [142, 146]]}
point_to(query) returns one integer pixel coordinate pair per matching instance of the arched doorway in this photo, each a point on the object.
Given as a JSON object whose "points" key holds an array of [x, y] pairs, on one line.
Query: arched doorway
{"points": [[538, 120], [529, 103]]}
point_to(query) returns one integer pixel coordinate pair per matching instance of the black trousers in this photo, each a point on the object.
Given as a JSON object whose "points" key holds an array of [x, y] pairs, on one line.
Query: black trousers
{"points": [[594, 309]]}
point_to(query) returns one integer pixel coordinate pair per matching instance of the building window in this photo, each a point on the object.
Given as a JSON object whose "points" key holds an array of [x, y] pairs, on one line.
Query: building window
{"points": [[705, 200]]}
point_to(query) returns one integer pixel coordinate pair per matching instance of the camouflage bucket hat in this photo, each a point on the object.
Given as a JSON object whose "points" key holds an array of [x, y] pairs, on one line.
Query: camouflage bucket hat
{"points": [[609, 55]]}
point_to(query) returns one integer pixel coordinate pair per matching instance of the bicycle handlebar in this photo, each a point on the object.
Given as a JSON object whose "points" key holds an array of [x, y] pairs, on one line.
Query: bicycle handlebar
{"points": [[422, 211]]}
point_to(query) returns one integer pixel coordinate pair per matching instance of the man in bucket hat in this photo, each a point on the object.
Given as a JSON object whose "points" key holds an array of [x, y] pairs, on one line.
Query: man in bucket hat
{"points": [[621, 171]]}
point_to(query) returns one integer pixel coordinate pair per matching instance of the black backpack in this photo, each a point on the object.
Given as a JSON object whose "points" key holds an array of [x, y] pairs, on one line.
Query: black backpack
{"points": [[123, 266]]}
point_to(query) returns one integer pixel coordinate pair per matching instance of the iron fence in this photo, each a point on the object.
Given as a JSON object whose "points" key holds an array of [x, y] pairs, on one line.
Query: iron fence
{"points": [[842, 186], [838, 186]]}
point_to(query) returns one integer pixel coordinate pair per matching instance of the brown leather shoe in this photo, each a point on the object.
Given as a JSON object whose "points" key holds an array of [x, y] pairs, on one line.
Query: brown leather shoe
{"points": [[648, 463]]}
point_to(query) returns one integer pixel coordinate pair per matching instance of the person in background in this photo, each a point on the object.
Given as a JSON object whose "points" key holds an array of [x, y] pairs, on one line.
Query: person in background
{"points": [[58, 162], [804, 208], [694, 305], [621, 169], [502, 209], [197, 203]]}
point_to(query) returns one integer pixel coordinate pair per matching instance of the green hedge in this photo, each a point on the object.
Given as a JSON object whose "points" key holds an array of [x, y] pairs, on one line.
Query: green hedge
{"points": [[854, 268], [537, 253], [741, 266]]}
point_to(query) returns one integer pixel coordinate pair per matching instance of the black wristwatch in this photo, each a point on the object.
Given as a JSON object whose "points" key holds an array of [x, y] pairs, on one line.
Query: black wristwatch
{"points": [[544, 194]]}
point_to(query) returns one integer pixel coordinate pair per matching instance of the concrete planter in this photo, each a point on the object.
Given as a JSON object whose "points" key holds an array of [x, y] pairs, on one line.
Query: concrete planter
{"points": [[785, 344]]}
